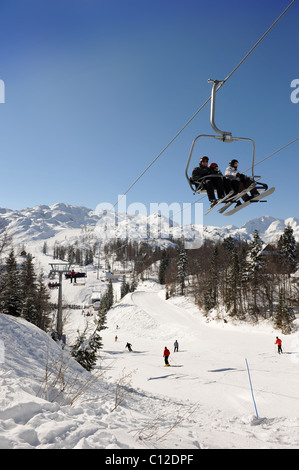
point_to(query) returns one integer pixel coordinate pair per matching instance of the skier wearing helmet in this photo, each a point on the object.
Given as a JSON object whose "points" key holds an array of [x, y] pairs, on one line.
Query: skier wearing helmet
{"points": [[200, 176], [239, 181], [226, 182]]}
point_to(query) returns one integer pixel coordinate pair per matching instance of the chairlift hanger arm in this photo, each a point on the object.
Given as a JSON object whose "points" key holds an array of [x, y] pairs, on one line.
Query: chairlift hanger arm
{"points": [[224, 136]]}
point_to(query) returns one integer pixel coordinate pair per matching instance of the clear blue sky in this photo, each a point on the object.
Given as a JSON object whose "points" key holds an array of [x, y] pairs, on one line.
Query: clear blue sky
{"points": [[95, 89]]}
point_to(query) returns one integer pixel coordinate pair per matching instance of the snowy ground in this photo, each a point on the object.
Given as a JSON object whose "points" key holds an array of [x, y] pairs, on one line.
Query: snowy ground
{"points": [[203, 401]]}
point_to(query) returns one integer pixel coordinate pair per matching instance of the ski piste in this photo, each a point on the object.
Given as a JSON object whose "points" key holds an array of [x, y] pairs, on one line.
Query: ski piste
{"points": [[225, 198], [252, 200], [236, 197]]}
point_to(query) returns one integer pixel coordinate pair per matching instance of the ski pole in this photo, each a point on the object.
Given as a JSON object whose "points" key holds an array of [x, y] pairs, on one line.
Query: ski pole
{"points": [[251, 389]]}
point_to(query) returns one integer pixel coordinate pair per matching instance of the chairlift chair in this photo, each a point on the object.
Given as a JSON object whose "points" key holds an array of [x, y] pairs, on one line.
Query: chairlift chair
{"points": [[223, 136]]}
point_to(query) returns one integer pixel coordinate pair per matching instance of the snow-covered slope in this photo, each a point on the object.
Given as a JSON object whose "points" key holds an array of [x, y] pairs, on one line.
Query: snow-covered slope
{"points": [[203, 400]]}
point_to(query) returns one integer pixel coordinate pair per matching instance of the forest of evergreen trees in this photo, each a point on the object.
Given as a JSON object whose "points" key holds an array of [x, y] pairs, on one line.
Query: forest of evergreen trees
{"points": [[23, 292], [247, 280]]}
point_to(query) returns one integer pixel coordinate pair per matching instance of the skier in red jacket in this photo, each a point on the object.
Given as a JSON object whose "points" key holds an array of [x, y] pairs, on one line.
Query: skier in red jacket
{"points": [[278, 342], [166, 355]]}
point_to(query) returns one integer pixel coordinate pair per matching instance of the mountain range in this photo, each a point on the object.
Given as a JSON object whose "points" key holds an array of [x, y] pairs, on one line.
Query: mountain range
{"points": [[43, 222]]}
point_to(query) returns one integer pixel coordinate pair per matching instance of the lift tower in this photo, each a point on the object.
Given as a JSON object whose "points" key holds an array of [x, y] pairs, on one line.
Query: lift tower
{"points": [[60, 269]]}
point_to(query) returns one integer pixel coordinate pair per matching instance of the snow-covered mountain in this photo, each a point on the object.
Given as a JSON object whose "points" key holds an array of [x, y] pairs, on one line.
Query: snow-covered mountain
{"points": [[43, 222]]}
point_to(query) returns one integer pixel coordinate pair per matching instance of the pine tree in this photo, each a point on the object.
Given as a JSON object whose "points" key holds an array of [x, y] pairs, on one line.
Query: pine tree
{"points": [[181, 265], [255, 262], [133, 285], [125, 287], [85, 350], [11, 293], [211, 294], [233, 284], [71, 255], [164, 263], [88, 257], [107, 299], [255, 258], [284, 315], [229, 243], [81, 351], [287, 249], [110, 296], [29, 290], [42, 303]]}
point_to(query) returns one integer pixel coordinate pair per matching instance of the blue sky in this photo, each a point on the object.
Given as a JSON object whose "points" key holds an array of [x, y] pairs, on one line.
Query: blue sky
{"points": [[95, 89]]}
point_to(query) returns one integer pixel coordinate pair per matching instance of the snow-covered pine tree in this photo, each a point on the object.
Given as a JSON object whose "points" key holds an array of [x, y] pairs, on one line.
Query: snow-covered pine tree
{"points": [[181, 265], [81, 351], [233, 284], [287, 248], [85, 350], [107, 299], [255, 255], [211, 293], [255, 262]]}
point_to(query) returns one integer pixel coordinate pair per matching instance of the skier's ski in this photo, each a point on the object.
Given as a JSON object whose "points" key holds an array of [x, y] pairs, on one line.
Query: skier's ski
{"points": [[236, 197], [252, 200], [220, 201]]}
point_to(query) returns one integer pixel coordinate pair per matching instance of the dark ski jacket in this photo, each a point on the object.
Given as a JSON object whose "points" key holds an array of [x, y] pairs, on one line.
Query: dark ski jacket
{"points": [[199, 172]]}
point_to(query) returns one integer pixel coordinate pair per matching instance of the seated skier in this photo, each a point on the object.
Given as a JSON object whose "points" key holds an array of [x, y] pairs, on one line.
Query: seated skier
{"points": [[226, 181], [200, 176], [239, 181]]}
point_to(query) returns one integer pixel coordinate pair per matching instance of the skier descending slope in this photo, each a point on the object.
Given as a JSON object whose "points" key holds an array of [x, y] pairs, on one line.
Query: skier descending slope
{"points": [[166, 355], [279, 343]]}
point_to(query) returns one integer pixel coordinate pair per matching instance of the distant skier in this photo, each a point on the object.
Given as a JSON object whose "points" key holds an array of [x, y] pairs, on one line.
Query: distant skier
{"points": [[166, 355], [73, 276], [278, 342], [176, 346], [129, 346]]}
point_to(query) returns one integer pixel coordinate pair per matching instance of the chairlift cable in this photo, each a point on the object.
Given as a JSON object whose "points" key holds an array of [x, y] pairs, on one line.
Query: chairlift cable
{"points": [[256, 44], [276, 151], [204, 104]]}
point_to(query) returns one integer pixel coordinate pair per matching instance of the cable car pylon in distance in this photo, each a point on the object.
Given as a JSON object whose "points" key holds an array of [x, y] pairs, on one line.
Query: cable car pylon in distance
{"points": [[225, 136]]}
